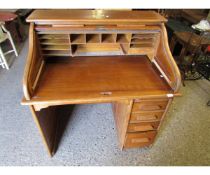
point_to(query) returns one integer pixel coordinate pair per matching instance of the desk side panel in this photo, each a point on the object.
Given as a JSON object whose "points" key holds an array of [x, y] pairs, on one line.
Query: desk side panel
{"points": [[46, 122], [165, 62], [34, 64]]}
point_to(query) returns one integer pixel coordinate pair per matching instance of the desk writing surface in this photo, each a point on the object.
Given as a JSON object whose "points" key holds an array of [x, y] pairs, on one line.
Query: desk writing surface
{"points": [[78, 78]]}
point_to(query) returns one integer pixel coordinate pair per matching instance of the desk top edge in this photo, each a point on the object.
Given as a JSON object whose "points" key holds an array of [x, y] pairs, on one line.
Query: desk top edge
{"points": [[105, 16]]}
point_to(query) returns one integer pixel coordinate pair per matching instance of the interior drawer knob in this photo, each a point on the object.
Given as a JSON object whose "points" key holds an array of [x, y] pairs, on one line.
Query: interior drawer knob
{"points": [[151, 107]]}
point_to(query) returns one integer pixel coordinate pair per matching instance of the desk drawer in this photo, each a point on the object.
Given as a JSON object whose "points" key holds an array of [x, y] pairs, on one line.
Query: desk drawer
{"points": [[149, 105], [144, 126], [139, 139], [146, 116]]}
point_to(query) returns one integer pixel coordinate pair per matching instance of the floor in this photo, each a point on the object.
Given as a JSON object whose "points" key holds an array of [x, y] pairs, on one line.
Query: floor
{"points": [[90, 137]]}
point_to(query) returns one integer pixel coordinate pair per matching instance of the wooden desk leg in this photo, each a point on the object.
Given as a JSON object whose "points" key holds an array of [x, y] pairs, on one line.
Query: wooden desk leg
{"points": [[122, 110], [51, 123], [47, 123]]}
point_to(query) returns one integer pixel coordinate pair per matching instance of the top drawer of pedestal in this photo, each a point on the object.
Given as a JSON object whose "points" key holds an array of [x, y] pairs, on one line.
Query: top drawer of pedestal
{"points": [[150, 105], [77, 17]]}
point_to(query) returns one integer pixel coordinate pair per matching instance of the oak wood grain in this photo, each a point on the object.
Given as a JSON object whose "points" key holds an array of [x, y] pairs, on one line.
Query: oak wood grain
{"points": [[86, 77], [121, 111], [34, 64], [148, 105], [146, 116], [46, 121], [166, 61], [142, 126], [140, 139], [140, 83], [94, 17]]}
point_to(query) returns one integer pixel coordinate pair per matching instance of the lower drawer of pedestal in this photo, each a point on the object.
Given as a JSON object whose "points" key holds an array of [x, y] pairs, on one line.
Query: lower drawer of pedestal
{"points": [[139, 139], [146, 116], [143, 126]]}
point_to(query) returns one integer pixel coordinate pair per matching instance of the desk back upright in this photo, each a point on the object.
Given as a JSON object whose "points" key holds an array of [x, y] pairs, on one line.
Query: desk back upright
{"points": [[100, 56]]}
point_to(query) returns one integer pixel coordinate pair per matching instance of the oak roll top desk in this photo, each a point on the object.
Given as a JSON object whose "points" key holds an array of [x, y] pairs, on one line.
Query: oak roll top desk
{"points": [[100, 56]]}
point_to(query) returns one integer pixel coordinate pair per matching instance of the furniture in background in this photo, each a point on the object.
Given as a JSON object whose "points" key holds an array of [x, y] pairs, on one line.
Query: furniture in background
{"points": [[90, 56], [203, 67], [13, 24], [5, 35], [181, 20], [23, 14], [190, 43], [7, 16], [194, 16], [175, 25], [21, 24], [170, 13], [192, 60], [191, 46]]}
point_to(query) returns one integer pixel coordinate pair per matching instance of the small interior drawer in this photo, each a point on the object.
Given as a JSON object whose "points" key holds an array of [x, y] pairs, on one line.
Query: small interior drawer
{"points": [[139, 139], [143, 126], [146, 116], [149, 105]]}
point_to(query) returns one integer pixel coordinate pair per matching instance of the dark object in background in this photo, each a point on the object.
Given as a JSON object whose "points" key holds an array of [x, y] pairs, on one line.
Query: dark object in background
{"points": [[23, 14], [204, 70], [16, 26], [16, 30]]}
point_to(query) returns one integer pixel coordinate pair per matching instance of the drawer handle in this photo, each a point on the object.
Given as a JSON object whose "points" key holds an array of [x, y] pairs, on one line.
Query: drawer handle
{"points": [[140, 140], [149, 117], [144, 128], [151, 107], [106, 93]]}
